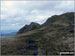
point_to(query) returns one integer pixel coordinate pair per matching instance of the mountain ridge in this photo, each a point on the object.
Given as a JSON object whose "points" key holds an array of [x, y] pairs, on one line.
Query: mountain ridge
{"points": [[63, 19]]}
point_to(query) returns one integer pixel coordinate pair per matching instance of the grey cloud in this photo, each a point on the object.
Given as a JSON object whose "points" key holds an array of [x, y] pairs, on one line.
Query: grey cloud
{"points": [[22, 13]]}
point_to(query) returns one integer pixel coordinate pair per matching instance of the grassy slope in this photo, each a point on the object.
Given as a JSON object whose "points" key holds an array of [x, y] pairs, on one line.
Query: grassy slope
{"points": [[50, 41]]}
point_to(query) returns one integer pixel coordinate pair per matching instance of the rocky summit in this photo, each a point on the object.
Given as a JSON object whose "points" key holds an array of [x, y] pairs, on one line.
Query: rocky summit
{"points": [[30, 27], [54, 36]]}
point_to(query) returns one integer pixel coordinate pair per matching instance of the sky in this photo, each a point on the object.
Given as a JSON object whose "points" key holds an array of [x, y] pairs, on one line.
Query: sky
{"points": [[16, 14]]}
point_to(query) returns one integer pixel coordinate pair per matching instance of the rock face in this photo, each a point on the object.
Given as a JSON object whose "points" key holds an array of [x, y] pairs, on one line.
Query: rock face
{"points": [[30, 27], [54, 36]]}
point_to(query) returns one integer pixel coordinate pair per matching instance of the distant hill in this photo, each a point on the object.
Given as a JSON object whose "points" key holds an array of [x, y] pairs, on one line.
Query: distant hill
{"points": [[8, 34], [54, 36]]}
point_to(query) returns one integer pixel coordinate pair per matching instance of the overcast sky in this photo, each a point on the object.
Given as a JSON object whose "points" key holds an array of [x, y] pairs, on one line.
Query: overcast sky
{"points": [[16, 14]]}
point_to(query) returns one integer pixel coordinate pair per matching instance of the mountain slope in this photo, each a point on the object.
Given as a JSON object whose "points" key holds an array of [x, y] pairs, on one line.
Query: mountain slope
{"points": [[65, 19], [54, 36]]}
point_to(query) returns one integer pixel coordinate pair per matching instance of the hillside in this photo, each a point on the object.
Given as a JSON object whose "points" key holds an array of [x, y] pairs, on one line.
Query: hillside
{"points": [[54, 36]]}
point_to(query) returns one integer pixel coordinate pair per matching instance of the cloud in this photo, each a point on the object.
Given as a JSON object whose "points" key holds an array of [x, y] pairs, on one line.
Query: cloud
{"points": [[66, 6], [16, 14]]}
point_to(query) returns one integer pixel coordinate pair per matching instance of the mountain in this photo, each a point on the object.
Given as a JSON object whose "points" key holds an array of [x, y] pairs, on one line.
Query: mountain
{"points": [[30, 27], [63, 20], [54, 36]]}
